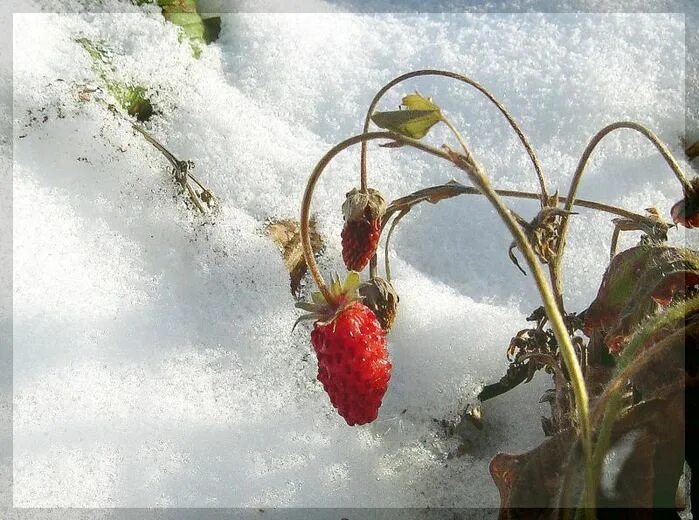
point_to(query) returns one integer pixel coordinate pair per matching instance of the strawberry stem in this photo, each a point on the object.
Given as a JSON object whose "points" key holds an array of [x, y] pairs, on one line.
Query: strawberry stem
{"points": [[465, 79], [458, 135], [580, 170], [387, 263], [313, 180], [451, 189], [477, 175], [479, 178]]}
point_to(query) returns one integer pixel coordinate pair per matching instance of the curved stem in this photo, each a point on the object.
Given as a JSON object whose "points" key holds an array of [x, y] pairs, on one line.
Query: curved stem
{"points": [[577, 176], [313, 179], [387, 263], [477, 86], [458, 135], [453, 189], [478, 177]]}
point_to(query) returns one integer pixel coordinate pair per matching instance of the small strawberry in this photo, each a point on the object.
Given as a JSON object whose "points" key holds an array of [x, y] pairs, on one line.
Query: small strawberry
{"points": [[350, 344], [360, 235], [686, 211]]}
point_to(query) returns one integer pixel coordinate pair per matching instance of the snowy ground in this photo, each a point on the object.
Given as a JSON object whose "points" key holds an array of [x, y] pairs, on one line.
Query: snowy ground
{"points": [[154, 363]]}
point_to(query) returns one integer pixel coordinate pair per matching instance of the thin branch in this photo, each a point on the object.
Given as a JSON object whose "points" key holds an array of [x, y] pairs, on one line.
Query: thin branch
{"points": [[387, 262], [477, 86], [615, 240], [580, 170], [480, 179], [315, 175], [453, 188]]}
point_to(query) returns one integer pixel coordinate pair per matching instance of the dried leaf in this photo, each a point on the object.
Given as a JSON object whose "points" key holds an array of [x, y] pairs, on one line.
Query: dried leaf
{"points": [[287, 235], [636, 282]]}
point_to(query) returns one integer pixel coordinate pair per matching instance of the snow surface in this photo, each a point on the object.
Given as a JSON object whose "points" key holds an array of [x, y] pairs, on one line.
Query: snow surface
{"points": [[154, 363]]}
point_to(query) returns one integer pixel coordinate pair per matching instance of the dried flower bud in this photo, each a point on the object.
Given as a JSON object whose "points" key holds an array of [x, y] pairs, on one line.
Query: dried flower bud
{"points": [[359, 205], [686, 211], [380, 296]]}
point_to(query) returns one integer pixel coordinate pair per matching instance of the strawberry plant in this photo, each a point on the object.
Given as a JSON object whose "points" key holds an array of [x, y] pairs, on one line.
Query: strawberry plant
{"points": [[622, 369]]}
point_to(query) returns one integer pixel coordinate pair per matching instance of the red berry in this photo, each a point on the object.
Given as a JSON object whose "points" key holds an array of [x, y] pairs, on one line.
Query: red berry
{"points": [[353, 363], [363, 212], [360, 238]]}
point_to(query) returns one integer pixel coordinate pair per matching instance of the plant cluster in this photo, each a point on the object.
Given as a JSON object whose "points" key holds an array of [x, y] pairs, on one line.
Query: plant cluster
{"points": [[622, 369]]}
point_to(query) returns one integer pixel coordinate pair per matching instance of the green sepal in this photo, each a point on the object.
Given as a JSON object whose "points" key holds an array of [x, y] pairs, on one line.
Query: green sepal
{"points": [[317, 298], [352, 283], [303, 317], [343, 293], [306, 306]]}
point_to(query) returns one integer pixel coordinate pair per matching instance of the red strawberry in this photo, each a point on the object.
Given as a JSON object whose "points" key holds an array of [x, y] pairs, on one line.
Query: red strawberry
{"points": [[353, 363], [360, 239], [360, 235], [350, 344]]}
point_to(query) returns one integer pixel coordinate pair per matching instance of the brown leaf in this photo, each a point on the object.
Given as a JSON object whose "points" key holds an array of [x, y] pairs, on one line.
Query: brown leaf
{"points": [[693, 150], [286, 234], [635, 284], [634, 484]]}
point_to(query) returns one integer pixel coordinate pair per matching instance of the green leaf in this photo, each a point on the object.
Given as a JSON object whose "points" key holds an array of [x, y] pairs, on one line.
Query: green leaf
{"points": [[419, 102], [132, 98], [415, 121], [198, 30]]}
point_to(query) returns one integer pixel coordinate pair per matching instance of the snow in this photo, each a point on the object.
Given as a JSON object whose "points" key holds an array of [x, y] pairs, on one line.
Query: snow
{"points": [[154, 363]]}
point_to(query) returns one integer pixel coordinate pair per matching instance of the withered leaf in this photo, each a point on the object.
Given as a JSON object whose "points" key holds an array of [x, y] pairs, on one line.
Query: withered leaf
{"points": [[286, 233], [635, 284]]}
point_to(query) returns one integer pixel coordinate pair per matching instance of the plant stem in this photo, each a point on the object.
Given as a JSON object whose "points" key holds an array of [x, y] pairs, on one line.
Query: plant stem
{"points": [[615, 240], [451, 189], [387, 263], [313, 179], [479, 178], [468, 81], [464, 79], [458, 136], [580, 170]]}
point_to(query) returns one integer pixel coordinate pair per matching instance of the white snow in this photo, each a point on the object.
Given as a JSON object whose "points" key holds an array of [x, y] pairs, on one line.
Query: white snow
{"points": [[154, 363]]}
